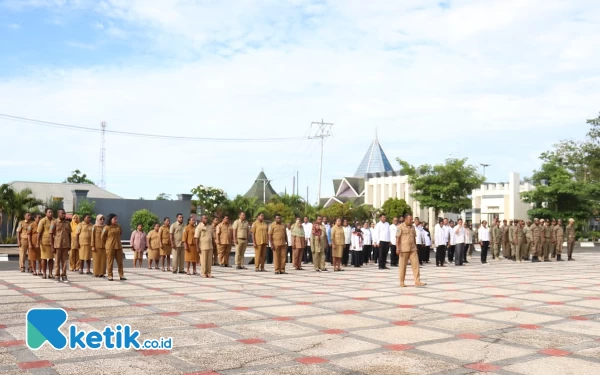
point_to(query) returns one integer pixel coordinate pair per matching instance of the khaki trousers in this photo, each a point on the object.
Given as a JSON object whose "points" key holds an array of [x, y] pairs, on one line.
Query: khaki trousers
{"points": [[506, 249], [559, 245], [23, 253], [61, 256], [546, 248], [279, 257], [224, 251], [260, 255], [318, 260], [297, 258], [74, 262], [520, 250], [496, 249], [206, 258], [178, 259], [414, 262], [111, 255], [570, 247], [536, 246], [240, 251]]}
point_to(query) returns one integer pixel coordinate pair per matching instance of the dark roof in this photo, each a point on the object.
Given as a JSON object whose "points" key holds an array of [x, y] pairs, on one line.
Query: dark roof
{"points": [[259, 186]]}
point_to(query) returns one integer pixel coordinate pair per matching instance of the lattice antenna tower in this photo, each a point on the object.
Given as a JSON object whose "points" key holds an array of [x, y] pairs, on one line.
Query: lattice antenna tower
{"points": [[323, 130], [103, 157]]}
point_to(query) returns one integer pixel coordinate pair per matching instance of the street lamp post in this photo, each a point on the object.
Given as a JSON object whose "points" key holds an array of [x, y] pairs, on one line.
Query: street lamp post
{"points": [[484, 166]]}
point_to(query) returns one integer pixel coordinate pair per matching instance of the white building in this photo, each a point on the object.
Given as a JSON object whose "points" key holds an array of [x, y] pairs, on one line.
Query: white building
{"points": [[502, 200]]}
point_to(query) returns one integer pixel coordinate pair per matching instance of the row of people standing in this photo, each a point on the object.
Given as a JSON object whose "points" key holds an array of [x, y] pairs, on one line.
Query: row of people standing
{"points": [[53, 244]]}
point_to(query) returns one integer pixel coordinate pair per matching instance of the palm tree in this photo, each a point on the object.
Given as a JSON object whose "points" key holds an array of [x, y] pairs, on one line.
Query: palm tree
{"points": [[22, 202], [6, 192], [240, 203]]}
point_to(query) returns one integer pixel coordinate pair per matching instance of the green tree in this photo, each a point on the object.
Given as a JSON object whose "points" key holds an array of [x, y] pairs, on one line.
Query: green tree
{"points": [[54, 203], [295, 202], [14, 204], [240, 203], [271, 209], [348, 211], [395, 207], [445, 186], [163, 197], [209, 199], [86, 207], [78, 178], [144, 217]]}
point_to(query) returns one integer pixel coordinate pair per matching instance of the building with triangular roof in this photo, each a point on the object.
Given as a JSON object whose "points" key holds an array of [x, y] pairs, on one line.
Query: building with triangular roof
{"points": [[261, 189], [375, 161]]}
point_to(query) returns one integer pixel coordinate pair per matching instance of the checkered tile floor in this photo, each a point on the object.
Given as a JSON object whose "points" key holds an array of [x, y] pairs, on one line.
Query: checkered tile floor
{"points": [[505, 318]]}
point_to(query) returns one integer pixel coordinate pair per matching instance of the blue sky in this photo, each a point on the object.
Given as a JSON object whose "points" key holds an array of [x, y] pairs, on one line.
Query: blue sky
{"points": [[495, 81]]}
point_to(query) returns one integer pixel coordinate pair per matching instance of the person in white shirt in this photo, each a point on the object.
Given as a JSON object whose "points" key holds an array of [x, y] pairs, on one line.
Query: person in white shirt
{"points": [[459, 239], [307, 256], [288, 232], [367, 242], [420, 240], [468, 242], [483, 233], [394, 258], [452, 246], [356, 246], [441, 242], [427, 236], [381, 238], [347, 242]]}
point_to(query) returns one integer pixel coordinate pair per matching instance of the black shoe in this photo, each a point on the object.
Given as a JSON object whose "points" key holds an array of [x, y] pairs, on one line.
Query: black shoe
{"points": [[534, 259], [124, 279], [238, 268], [181, 271], [558, 259], [174, 272], [571, 259]]}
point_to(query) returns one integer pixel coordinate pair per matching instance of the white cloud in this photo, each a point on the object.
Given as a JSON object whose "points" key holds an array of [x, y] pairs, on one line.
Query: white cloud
{"points": [[14, 26], [496, 81]]}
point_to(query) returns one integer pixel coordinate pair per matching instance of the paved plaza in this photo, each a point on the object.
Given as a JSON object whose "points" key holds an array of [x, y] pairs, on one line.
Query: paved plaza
{"points": [[505, 318]]}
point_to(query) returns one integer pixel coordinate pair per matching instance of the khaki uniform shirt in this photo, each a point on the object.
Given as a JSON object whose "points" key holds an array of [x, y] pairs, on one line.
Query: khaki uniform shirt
{"points": [[536, 232], [519, 235], [547, 233], [511, 233], [97, 242], [111, 237], [318, 243], [85, 233], [22, 230], [407, 238], [505, 233], [224, 234], [278, 234], [527, 232], [496, 234], [204, 234], [177, 232], [164, 233], [338, 237], [32, 230], [570, 233], [44, 229], [260, 233], [559, 234], [153, 239], [242, 229], [188, 234], [61, 229]]}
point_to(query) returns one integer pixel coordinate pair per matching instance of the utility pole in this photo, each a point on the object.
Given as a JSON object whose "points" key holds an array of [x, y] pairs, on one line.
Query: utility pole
{"points": [[103, 157], [323, 130], [484, 166]]}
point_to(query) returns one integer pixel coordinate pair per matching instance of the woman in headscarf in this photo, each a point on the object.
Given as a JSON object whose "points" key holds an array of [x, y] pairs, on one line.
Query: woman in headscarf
{"points": [[84, 241], [98, 252], [74, 255], [298, 244]]}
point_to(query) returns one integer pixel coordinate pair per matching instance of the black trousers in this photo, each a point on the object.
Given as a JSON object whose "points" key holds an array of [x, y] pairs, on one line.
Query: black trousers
{"points": [[328, 257], [393, 256], [420, 253], [451, 249], [346, 255], [307, 255], [459, 258], [384, 247], [375, 254], [289, 255], [427, 252], [466, 251], [440, 255], [367, 253], [269, 258], [485, 247]]}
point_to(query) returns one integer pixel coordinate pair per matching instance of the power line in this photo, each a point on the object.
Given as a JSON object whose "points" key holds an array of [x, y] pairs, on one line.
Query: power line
{"points": [[144, 135]]}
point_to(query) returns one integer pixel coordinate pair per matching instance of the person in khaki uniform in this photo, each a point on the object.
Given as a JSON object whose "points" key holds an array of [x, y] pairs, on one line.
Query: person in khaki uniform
{"points": [[240, 239], [298, 245], [510, 251], [153, 240], [34, 252], [83, 237], [496, 239], [23, 242], [558, 238], [214, 225], [536, 244], [338, 242], [506, 239], [260, 236], [224, 240], [74, 253], [45, 241], [165, 244], [60, 230], [98, 251], [519, 241], [175, 237], [318, 240], [570, 239], [191, 251], [406, 248], [111, 237], [204, 241], [546, 240], [278, 241], [528, 236]]}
